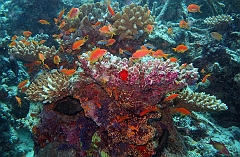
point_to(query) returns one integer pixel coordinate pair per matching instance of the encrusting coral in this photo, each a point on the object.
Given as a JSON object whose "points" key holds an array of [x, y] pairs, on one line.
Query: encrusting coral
{"points": [[199, 101], [48, 87]]}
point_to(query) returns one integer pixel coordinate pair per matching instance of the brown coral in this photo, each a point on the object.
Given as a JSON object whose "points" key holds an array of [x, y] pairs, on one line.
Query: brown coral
{"points": [[30, 52], [48, 87], [199, 101], [131, 22]]}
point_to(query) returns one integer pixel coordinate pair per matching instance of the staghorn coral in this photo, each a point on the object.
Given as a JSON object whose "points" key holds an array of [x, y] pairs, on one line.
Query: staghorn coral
{"points": [[131, 22], [30, 52], [48, 87], [218, 20], [199, 101]]}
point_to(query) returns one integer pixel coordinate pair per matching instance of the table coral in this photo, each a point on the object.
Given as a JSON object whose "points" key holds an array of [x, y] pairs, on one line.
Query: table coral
{"points": [[30, 52]]}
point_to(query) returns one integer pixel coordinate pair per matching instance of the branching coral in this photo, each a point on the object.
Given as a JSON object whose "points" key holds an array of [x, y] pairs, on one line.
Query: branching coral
{"points": [[131, 22], [30, 52], [222, 19], [199, 101], [48, 87]]}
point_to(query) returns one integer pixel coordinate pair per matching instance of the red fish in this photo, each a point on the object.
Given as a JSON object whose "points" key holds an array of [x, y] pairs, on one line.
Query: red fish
{"points": [[22, 84], [173, 59], [181, 48], [44, 22], [77, 44], [56, 60], [171, 97], [141, 53], [123, 75], [151, 109], [205, 78], [183, 111], [220, 147], [194, 8], [97, 54], [110, 9], [160, 54], [18, 101], [149, 29], [73, 13], [58, 19], [183, 24]]}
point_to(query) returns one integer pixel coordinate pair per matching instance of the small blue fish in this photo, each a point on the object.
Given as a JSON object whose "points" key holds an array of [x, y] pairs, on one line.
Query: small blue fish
{"points": [[102, 42], [149, 46]]}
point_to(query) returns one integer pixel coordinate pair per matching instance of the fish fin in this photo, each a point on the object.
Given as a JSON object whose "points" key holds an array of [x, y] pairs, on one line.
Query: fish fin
{"points": [[174, 49]]}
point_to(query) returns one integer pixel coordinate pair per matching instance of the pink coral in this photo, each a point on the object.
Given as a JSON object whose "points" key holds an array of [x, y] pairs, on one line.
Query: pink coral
{"points": [[148, 81]]}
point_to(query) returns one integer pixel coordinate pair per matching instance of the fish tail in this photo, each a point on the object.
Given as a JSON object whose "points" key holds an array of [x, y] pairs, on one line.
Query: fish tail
{"points": [[199, 9], [174, 49]]}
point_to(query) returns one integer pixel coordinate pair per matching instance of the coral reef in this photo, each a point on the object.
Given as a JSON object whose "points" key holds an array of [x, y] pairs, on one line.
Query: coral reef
{"points": [[115, 106], [132, 21], [45, 89], [153, 77], [199, 101], [218, 20], [30, 52]]}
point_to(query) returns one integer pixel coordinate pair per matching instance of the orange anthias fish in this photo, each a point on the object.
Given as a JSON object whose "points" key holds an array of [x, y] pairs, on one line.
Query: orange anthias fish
{"points": [[14, 38], [183, 24], [41, 42], [27, 33], [222, 149], [97, 54], [160, 54], [22, 84], [13, 43], [110, 42], [173, 59], [56, 60], [171, 97], [68, 72], [181, 48], [123, 75], [73, 13], [182, 111], [150, 109], [18, 101], [41, 57], [58, 19], [107, 30], [170, 31], [205, 78], [110, 9], [77, 44], [194, 8], [44, 22], [141, 53], [149, 29]]}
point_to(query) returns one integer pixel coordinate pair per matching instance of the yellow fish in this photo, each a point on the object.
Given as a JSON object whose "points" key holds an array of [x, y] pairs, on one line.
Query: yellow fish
{"points": [[216, 36]]}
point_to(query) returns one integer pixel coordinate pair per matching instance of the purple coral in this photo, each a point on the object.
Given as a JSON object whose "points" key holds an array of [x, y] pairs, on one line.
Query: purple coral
{"points": [[148, 81]]}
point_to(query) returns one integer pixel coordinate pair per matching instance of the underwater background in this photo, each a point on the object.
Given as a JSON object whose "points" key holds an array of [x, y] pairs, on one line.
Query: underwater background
{"points": [[123, 78]]}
